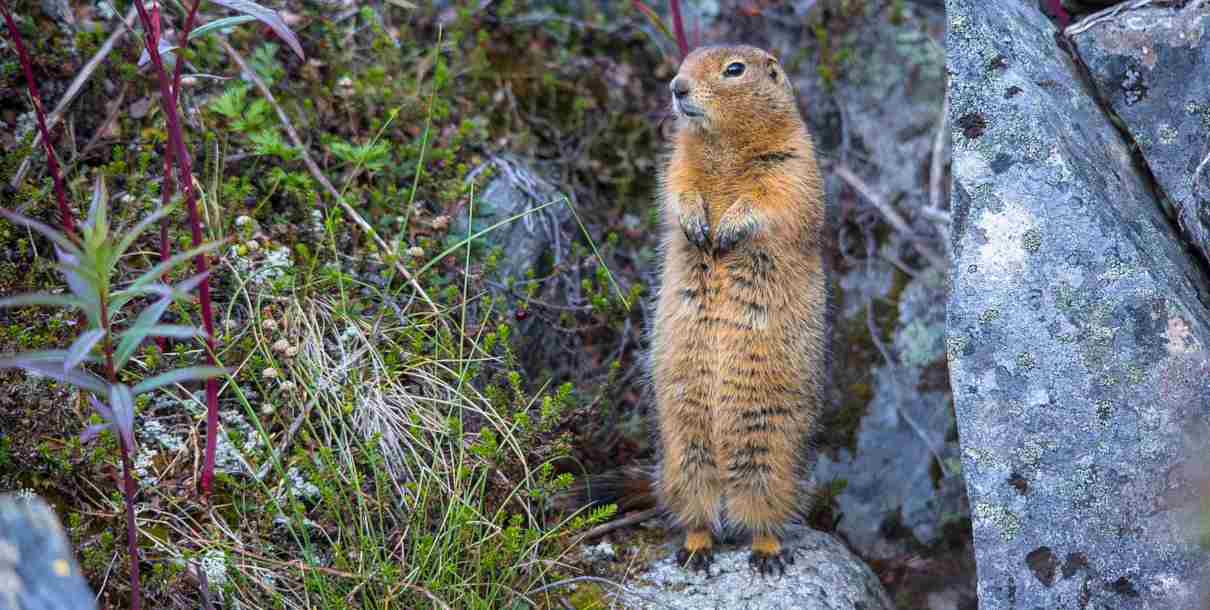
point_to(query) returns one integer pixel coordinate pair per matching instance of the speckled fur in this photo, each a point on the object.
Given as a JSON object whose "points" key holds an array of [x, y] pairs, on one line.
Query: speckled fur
{"points": [[738, 341]]}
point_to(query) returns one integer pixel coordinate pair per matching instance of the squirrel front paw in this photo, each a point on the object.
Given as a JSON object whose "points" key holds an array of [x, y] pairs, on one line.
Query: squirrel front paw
{"points": [[692, 216], [736, 225]]}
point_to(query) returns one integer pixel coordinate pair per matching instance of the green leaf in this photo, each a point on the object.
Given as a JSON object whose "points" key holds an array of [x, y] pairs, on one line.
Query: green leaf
{"points": [[54, 369], [231, 103], [193, 373], [138, 229], [81, 347], [152, 275], [42, 298], [175, 331], [138, 331], [121, 400], [96, 210], [219, 24]]}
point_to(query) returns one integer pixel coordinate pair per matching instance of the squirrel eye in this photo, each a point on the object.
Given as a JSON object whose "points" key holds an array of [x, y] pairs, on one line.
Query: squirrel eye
{"points": [[734, 69]]}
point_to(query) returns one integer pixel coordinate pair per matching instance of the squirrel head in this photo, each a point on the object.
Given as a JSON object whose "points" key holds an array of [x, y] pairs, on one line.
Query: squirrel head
{"points": [[732, 89]]}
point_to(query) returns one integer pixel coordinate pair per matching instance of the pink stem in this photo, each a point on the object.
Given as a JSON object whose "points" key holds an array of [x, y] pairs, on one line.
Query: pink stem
{"points": [[67, 219], [185, 181]]}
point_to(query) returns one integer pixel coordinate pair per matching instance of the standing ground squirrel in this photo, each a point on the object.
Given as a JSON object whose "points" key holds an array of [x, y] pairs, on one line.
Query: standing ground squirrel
{"points": [[738, 345], [739, 338]]}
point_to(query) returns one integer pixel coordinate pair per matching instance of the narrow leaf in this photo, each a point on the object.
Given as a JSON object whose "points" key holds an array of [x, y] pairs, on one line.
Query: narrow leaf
{"points": [[42, 298], [96, 209], [163, 46], [138, 229], [138, 331], [122, 402], [81, 347], [193, 373], [91, 432], [77, 377], [102, 408], [51, 234], [267, 16], [153, 274], [219, 24], [184, 287], [175, 331]]}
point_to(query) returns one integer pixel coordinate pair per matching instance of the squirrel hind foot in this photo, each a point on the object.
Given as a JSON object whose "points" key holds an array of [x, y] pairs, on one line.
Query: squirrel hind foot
{"points": [[769, 557], [697, 554]]}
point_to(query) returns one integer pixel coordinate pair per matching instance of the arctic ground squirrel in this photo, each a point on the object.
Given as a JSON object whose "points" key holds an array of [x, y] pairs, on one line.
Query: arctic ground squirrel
{"points": [[738, 344]]}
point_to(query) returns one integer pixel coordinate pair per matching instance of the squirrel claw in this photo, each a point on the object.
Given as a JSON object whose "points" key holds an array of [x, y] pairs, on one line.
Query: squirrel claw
{"points": [[769, 564], [693, 220], [695, 561]]}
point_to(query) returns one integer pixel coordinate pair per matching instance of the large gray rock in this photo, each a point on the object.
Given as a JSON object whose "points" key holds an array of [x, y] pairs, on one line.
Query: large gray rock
{"points": [[37, 568], [824, 576], [1077, 338], [1152, 66]]}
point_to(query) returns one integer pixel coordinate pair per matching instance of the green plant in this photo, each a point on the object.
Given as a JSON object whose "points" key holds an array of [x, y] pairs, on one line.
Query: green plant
{"points": [[89, 264]]}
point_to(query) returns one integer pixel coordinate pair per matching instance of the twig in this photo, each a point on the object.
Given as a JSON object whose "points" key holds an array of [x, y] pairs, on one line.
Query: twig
{"points": [[322, 179], [888, 212], [934, 210], [629, 519], [77, 85]]}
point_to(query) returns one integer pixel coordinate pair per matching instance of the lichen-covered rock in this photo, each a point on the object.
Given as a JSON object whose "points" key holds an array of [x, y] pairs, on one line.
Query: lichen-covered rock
{"points": [[824, 576], [37, 568], [1077, 335], [1151, 64]]}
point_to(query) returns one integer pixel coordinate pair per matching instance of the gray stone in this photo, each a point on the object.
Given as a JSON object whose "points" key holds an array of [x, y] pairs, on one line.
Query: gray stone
{"points": [[824, 576], [517, 189], [1152, 66], [1077, 340], [37, 568]]}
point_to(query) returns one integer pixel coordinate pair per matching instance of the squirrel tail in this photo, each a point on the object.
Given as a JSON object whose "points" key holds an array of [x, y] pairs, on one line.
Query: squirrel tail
{"points": [[631, 488]]}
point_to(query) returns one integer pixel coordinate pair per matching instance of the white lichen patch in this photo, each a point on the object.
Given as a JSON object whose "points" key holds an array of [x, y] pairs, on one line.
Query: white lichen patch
{"points": [[155, 432], [214, 565], [1004, 253], [298, 487], [142, 467]]}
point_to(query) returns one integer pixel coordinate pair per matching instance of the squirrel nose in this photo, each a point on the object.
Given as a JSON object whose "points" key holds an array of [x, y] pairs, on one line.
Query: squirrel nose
{"points": [[680, 87]]}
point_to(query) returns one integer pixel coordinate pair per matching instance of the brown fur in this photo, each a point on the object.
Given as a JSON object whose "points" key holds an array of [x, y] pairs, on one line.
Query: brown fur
{"points": [[738, 342]]}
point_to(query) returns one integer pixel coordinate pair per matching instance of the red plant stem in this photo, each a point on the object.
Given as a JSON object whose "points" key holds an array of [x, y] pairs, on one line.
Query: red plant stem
{"points": [[128, 488], [678, 26], [132, 540], [185, 181], [67, 219]]}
